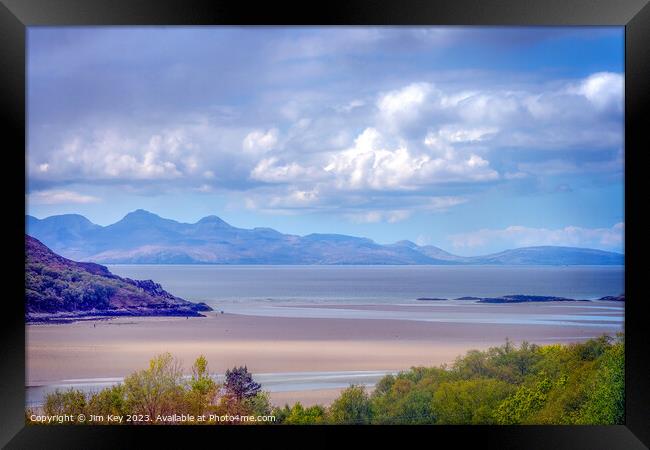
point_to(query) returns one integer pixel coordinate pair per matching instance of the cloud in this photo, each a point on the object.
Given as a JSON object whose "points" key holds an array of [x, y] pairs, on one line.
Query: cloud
{"points": [[371, 164], [56, 197], [111, 155], [603, 89], [443, 203], [260, 141], [404, 104], [392, 216], [520, 236], [270, 171]]}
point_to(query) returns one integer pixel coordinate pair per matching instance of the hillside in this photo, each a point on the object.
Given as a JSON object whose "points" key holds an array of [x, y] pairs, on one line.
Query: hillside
{"points": [[59, 288]]}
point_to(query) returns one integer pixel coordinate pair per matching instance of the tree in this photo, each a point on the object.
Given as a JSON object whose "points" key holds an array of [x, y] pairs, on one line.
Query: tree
{"points": [[352, 407], [156, 390], [523, 403], [469, 401], [203, 388], [606, 400], [299, 415], [71, 401], [240, 384], [108, 401], [258, 405]]}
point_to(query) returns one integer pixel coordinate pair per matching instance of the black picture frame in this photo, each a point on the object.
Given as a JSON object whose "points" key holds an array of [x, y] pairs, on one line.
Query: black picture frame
{"points": [[16, 15]]}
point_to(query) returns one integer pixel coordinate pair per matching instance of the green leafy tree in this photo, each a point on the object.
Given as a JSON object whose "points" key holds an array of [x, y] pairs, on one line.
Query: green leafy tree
{"points": [[158, 389], [469, 401], [351, 407], [108, 401], [71, 401], [517, 408], [299, 415], [258, 404], [202, 388], [606, 401]]}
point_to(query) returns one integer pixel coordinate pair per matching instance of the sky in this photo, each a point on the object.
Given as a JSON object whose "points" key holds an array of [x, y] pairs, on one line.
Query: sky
{"points": [[473, 139]]}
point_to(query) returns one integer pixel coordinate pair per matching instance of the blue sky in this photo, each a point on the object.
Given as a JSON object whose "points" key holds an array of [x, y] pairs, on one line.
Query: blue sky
{"points": [[471, 139]]}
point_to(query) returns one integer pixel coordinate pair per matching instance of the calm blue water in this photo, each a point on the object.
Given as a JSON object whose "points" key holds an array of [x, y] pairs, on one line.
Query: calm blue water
{"points": [[374, 284]]}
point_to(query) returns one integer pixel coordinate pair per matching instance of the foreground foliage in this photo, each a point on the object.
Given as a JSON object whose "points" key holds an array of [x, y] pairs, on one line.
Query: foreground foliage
{"points": [[553, 384]]}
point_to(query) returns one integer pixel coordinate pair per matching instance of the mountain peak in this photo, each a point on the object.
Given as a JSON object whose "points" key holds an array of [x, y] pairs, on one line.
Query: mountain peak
{"points": [[212, 219], [406, 243], [141, 215]]}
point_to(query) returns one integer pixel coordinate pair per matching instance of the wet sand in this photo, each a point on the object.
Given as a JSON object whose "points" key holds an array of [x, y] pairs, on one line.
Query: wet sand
{"points": [[117, 347]]}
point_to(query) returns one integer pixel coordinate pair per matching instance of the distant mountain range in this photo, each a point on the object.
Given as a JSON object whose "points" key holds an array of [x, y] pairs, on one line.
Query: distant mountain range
{"points": [[142, 237], [59, 289]]}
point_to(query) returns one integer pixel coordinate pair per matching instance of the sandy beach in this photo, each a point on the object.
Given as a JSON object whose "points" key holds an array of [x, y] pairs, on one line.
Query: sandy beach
{"points": [[117, 347]]}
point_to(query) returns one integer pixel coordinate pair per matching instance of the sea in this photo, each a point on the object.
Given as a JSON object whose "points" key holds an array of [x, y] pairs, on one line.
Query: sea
{"points": [[231, 284]]}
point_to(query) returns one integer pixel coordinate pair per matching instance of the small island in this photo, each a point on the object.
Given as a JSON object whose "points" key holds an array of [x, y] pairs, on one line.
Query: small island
{"points": [[59, 290]]}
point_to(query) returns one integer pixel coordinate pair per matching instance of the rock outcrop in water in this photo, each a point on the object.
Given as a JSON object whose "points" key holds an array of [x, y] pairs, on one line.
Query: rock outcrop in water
{"points": [[58, 288], [613, 298], [526, 299]]}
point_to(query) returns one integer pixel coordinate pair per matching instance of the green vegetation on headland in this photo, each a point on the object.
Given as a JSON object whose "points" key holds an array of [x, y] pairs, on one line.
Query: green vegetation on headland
{"points": [[530, 384], [59, 289]]}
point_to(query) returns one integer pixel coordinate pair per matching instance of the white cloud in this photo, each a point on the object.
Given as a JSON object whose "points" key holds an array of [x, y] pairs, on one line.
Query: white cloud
{"points": [[604, 89], [269, 171], [260, 141], [295, 199], [520, 236], [461, 134], [403, 103], [109, 155], [490, 107], [371, 164], [55, 197], [287, 203], [391, 216], [443, 203]]}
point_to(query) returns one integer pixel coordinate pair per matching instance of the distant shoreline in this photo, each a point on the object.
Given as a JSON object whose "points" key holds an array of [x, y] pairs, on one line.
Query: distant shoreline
{"points": [[518, 298], [80, 316]]}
